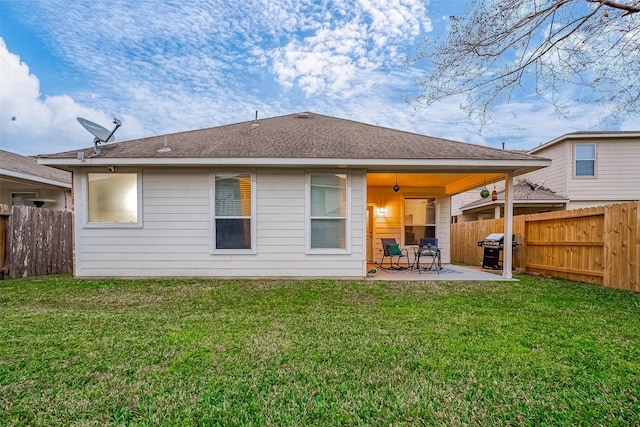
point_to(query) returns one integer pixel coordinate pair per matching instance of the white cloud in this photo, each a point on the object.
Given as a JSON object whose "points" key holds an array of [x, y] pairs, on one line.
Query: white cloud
{"points": [[171, 66], [32, 124], [332, 59]]}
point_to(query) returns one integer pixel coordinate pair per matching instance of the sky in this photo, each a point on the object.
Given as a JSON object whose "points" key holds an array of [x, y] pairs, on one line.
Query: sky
{"points": [[165, 66]]}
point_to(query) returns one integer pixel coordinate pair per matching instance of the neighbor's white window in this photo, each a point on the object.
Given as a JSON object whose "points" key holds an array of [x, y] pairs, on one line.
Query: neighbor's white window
{"points": [[419, 219], [22, 199], [113, 198], [234, 211], [585, 159], [328, 213]]}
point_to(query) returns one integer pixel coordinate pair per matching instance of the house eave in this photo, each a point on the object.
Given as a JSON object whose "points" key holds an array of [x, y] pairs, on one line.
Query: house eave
{"points": [[585, 135], [441, 165], [516, 203], [34, 178]]}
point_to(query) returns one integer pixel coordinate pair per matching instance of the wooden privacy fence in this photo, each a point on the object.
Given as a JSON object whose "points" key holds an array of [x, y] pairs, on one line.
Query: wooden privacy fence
{"points": [[597, 245], [37, 242]]}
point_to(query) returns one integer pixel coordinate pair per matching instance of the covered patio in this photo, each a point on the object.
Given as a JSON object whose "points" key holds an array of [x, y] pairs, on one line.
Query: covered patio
{"points": [[409, 205]]}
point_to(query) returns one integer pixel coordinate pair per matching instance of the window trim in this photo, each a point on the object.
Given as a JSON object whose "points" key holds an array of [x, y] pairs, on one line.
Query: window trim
{"points": [[307, 215], [575, 160], [252, 218], [403, 225], [84, 188]]}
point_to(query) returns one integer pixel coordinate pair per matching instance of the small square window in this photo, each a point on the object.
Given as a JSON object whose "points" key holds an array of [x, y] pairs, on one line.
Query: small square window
{"points": [[112, 198]]}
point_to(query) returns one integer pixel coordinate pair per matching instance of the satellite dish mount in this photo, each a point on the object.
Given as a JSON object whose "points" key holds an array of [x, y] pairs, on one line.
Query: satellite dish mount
{"points": [[101, 134]]}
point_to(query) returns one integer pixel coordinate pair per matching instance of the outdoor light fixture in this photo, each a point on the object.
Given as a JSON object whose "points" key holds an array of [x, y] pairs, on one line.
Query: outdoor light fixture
{"points": [[381, 211], [484, 193], [396, 187]]}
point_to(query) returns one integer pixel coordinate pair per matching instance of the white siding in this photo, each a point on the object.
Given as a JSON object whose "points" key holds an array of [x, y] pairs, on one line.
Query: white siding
{"points": [[555, 177], [461, 199], [175, 237], [42, 191], [617, 176]]}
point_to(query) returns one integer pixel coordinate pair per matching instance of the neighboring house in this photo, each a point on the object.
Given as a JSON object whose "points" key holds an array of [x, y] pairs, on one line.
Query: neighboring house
{"points": [[528, 198], [587, 169], [301, 195], [25, 182]]}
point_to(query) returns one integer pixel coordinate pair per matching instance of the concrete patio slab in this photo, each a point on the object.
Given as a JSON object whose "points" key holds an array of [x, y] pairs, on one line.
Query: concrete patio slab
{"points": [[449, 272]]}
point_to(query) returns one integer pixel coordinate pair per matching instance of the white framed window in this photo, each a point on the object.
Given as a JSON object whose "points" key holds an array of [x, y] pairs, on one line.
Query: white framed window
{"points": [[234, 222], [328, 210], [114, 199], [585, 155], [419, 219]]}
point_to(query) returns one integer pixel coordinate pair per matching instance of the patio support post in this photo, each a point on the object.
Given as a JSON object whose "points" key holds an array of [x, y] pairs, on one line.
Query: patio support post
{"points": [[507, 261]]}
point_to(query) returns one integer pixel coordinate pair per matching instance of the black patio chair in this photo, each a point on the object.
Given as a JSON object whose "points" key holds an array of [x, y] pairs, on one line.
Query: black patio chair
{"points": [[391, 249], [428, 249]]}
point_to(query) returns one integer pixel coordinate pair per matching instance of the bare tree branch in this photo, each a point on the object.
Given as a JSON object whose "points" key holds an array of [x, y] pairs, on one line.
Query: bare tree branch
{"points": [[571, 50], [628, 7]]}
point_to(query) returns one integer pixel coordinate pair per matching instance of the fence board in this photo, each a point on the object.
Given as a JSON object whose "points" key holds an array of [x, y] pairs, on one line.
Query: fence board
{"points": [[4, 218], [466, 235], [621, 246], [39, 242], [634, 254]]}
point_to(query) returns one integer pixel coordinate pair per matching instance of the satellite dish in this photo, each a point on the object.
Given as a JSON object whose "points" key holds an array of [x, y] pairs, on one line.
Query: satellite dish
{"points": [[531, 185], [96, 130], [101, 134]]}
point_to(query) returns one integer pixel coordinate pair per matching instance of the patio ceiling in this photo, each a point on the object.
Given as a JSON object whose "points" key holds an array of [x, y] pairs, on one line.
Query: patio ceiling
{"points": [[452, 182]]}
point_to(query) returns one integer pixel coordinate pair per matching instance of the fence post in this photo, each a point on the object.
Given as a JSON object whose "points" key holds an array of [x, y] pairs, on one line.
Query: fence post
{"points": [[4, 219], [520, 231], [635, 251]]}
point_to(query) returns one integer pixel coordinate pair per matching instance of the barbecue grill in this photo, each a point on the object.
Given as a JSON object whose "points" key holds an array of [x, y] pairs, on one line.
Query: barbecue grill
{"points": [[493, 244]]}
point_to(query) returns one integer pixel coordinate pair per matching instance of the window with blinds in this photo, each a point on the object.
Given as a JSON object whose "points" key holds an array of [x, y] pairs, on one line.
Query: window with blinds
{"points": [[233, 211], [328, 214], [585, 160]]}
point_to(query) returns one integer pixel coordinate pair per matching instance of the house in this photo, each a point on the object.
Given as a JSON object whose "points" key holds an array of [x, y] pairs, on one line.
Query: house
{"points": [[587, 169], [25, 182], [300, 195]]}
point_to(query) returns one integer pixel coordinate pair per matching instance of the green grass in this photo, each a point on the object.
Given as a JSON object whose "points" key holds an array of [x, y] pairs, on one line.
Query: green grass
{"points": [[212, 352]]}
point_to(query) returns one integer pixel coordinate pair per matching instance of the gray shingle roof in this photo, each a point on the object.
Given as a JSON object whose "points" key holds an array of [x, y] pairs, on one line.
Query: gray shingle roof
{"points": [[11, 162], [521, 192], [307, 135]]}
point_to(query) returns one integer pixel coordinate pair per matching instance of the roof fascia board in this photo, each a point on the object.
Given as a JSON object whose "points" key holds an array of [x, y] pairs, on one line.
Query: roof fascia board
{"points": [[516, 202], [34, 178], [570, 136], [468, 165]]}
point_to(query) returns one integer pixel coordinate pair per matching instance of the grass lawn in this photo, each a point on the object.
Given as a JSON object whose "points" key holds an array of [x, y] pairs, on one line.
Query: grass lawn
{"points": [[213, 352]]}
